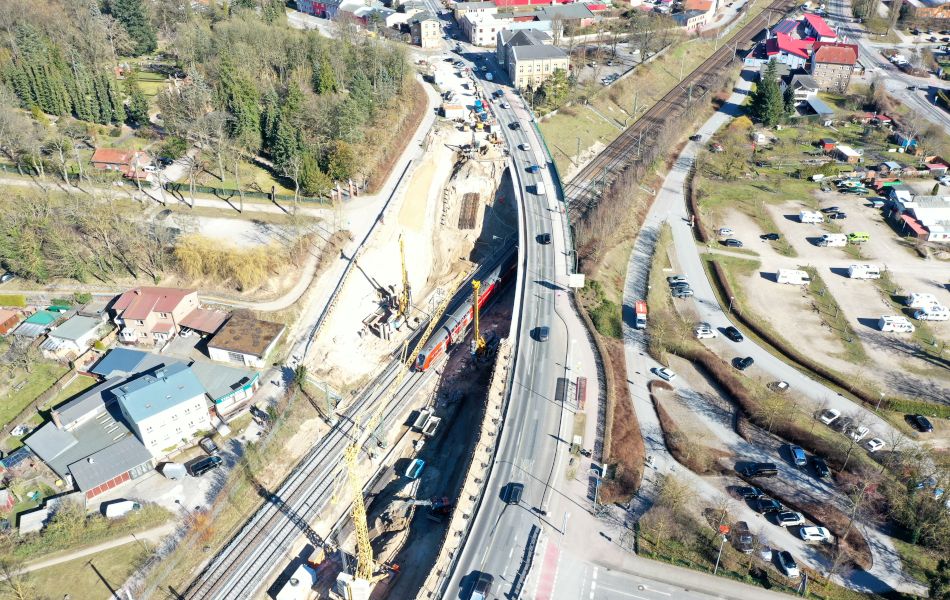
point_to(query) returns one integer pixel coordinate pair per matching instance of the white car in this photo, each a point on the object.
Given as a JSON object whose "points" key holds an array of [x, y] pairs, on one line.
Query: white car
{"points": [[664, 373], [945, 180], [814, 534], [875, 444], [859, 433], [726, 232], [703, 333], [503, 105], [829, 415]]}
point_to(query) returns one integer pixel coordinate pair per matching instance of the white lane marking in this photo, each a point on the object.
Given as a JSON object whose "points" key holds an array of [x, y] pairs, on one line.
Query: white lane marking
{"points": [[593, 588], [510, 552], [647, 588], [622, 593]]}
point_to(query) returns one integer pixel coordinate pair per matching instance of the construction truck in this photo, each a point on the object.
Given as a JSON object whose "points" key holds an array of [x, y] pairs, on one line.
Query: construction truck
{"points": [[641, 311]]}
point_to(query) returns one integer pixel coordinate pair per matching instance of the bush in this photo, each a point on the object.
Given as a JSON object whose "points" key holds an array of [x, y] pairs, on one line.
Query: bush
{"points": [[173, 147], [115, 132], [82, 298]]}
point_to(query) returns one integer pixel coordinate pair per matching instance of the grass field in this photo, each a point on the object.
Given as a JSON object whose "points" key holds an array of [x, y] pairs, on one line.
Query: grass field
{"points": [[253, 177], [88, 577], [563, 130], [80, 384], [25, 387]]}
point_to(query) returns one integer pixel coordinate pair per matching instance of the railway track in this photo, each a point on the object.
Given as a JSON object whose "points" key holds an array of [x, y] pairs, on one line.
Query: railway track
{"points": [[584, 190], [246, 562]]}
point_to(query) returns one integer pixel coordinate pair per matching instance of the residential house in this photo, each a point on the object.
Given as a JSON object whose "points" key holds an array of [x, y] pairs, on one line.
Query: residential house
{"points": [[165, 409], [690, 20], [785, 49], [245, 340], [425, 30], [889, 168], [325, 9], [923, 217], [936, 166], [37, 324], [133, 164], [575, 15], [154, 315], [803, 87], [70, 339], [815, 27], [9, 319], [469, 8], [530, 60], [508, 39], [926, 10], [899, 192], [832, 64], [847, 154], [88, 443], [481, 29], [827, 144]]}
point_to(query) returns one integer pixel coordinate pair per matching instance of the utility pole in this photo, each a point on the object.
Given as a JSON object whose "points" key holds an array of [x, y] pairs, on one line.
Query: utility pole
{"points": [[577, 153], [682, 64], [636, 98]]}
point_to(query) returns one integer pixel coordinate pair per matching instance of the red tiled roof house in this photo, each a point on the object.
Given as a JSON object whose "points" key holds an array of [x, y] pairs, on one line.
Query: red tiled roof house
{"points": [[832, 65], [131, 163], [153, 315]]}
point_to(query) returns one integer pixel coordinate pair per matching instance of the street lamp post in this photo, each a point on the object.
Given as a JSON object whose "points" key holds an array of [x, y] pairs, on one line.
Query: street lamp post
{"points": [[731, 298], [878, 407], [718, 556]]}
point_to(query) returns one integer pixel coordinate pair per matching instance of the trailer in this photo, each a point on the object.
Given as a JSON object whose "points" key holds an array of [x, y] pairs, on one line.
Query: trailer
{"points": [[421, 419], [932, 312], [431, 426], [114, 510], [415, 468], [810, 216], [916, 300], [864, 272], [895, 324], [641, 311], [793, 276], [833, 240]]}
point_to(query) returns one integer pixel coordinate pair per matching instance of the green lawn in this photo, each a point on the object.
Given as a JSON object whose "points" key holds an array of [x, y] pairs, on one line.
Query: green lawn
{"points": [[30, 385], [88, 576], [80, 384], [918, 561], [253, 177], [562, 130]]}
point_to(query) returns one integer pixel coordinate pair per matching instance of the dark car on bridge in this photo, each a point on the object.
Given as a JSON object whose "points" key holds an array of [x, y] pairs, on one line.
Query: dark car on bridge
{"points": [[482, 587]]}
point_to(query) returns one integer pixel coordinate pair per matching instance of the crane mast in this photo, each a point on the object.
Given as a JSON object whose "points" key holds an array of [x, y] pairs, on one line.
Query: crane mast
{"points": [[404, 301], [478, 341]]}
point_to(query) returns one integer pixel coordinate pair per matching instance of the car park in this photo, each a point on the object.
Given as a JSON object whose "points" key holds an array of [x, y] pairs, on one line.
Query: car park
{"points": [[748, 492], [732, 243], [733, 334], [859, 433], [787, 564], [920, 423], [798, 456], [767, 505], [820, 467], [789, 518], [874, 444], [813, 533], [829, 415], [743, 363], [664, 373]]}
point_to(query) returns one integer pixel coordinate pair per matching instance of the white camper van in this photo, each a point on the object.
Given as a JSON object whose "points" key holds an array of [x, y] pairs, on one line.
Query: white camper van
{"points": [[895, 324], [811, 216], [793, 276], [864, 272], [932, 312], [833, 240], [916, 300]]}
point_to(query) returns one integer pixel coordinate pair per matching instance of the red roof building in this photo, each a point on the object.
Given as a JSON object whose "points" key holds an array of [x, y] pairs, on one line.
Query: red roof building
{"points": [[131, 163], [832, 65], [153, 314], [816, 26]]}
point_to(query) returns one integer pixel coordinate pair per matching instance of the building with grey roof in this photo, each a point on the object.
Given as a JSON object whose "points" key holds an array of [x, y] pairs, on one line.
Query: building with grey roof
{"points": [[529, 58], [71, 338], [229, 388], [510, 38]]}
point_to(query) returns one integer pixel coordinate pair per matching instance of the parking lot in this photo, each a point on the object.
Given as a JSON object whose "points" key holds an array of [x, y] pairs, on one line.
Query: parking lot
{"points": [[893, 358]]}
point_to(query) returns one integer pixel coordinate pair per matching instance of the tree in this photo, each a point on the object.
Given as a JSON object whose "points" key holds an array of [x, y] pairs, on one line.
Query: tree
{"points": [[940, 581], [766, 103], [324, 79], [136, 110], [15, 582], [788, 101], [133, 15], [313, 181]]}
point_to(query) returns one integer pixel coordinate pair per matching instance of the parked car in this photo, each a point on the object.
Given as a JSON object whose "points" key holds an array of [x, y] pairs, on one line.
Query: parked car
{"points": [[696, 137], [787, 564], [704, 331], [778, 386], [7, 277], [767, 505], [207, 444], [920, 423], [747, 492], [771, 237], [759, 469], [798, 456], [733, 334], [830, 209], [544, 238], [679, 285], [820, 467], [742, 538], [725, 232], [838, 216], [685, 292], [875, 444], [664, 373], [197, 468], [788, 518], [732, 243], [676, 279], [743, 363], [859, 433], [765, 552], [945, 180], [534, 169], [814, 534], [829, 415]]}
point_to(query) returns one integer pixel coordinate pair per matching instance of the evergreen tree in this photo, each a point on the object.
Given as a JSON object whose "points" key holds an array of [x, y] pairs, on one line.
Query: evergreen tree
{"points": [[240, 98], [940, 581], [270, 116], [788, 100], [313, 181], [133, 15], [137, 109], [324, 80], [272, 10], [766, 103]]}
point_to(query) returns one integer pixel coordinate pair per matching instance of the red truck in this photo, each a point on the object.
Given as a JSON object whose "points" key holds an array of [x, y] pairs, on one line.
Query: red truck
{"points": [[641, 312]]}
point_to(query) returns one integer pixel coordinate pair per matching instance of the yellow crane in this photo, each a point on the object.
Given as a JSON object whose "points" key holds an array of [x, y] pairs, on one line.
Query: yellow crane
{"points": [[366, 575], [478, 341], [404, 300]]}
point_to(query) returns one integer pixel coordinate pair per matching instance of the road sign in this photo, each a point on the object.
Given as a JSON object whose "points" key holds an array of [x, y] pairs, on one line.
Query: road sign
{"points": [[724, 529]]}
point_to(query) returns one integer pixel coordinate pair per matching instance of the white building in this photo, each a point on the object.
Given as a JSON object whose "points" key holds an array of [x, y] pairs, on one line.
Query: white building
{"points": [[72, 338], [481, 29], [167, 410], [245, 341]]}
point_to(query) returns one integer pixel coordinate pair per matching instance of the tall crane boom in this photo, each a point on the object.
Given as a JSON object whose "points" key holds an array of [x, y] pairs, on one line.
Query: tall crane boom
{"points": [[365, 564], [404, 301], [478, 341]]}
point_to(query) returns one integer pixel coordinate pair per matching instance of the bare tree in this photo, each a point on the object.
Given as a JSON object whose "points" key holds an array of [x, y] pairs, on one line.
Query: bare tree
{"points": [[858, 420], [15, 582]]}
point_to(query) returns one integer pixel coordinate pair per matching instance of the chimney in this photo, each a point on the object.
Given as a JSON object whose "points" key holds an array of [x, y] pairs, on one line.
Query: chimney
{"points": [[160, 374]]}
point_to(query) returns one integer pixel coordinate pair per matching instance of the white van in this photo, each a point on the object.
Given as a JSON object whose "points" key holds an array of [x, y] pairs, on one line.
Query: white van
{"points": [[932, 312], [811, 216], [833, 240], [916, 300], [895, 324], [864, 272], [539, 188], [793, 276]]}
